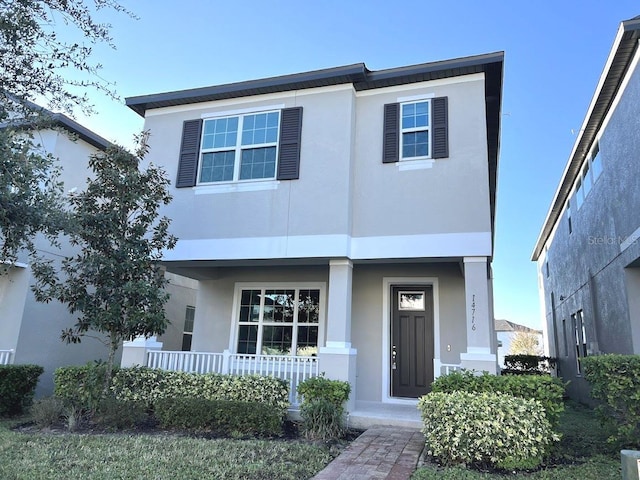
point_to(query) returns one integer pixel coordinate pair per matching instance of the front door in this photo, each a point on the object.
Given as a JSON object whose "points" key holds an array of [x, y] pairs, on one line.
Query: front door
{"points": [[412, 341]]}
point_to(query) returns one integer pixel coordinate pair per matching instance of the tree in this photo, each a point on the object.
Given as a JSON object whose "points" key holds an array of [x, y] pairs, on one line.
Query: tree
{"points": [[525, 343], [113, 283], [36, 63]]}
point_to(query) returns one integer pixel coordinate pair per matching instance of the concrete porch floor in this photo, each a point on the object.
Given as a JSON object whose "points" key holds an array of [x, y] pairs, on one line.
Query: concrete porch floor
{"points": [[368, 414]]}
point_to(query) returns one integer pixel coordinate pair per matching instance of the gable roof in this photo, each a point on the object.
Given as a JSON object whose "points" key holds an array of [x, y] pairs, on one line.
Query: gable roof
{"points": [[620, 57], [63, 121], [507, 326]]}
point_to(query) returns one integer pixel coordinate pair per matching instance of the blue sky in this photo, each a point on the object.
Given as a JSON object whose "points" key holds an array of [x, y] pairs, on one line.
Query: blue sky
{"points": [[554, 54]]}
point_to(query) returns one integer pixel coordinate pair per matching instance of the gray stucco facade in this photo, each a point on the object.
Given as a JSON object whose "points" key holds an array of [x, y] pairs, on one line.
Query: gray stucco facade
{"points": [[589, 256], [350, 228]]}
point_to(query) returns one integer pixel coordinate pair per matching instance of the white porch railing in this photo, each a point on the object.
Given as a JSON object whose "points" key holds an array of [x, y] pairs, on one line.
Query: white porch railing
{"points": [[6, 357], [293, 369]]}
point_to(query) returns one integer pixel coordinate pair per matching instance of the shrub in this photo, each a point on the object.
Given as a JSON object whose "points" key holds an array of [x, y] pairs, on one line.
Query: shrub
{"points": [[47, 411], [485, 428], [114, 414], [322, 407], [334, 391], [528, 365], [81, 386], [615, 381], [17, 386], [322, 419], [547, 390], [219, 416], [149, 385]]}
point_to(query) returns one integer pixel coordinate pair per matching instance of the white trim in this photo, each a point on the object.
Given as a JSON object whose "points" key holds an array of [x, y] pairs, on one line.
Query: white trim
{"points": [[475, 259], [472, 77], [239, 186], [413, 164], [415, 98], [387, 283], [237, 292], [241, 111], [354, 248]]}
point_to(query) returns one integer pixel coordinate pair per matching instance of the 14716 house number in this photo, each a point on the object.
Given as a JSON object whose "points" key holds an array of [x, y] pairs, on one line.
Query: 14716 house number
{"points": [[473, 312]]}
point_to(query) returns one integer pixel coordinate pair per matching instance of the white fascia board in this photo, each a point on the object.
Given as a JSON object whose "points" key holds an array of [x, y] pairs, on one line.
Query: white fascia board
{"points": [[331, 246]]}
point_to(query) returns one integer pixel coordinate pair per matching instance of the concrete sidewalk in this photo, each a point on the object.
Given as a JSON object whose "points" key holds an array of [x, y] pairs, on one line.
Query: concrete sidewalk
{"points": [[379, 453]]}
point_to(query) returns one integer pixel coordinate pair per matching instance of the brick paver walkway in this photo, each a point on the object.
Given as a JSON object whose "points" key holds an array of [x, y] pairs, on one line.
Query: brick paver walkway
{"points": [[379, 453]]}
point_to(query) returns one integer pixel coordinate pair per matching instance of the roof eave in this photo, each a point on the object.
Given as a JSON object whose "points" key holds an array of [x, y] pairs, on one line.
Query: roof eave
{"points": [[620, 56]]}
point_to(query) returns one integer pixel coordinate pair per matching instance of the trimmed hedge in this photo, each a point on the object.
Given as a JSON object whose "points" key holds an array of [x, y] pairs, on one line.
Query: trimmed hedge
{"points": [[17, 387], [485, 428], [615, 381], [528, 365], [547, 390], [149, 385], [219, 416], [81, 386]]}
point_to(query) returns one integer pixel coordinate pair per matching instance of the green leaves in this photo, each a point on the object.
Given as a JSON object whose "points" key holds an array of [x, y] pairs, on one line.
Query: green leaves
{"points": [[615, 381], [487, 428], [113, 283]]}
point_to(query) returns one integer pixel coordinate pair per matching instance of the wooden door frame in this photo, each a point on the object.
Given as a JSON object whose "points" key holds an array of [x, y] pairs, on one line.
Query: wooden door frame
{"points": [[387, 306]]}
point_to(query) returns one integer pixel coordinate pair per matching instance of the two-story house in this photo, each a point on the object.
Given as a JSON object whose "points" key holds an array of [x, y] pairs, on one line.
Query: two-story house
{"points": [[344, 215], [30, 330], [588, 251]]}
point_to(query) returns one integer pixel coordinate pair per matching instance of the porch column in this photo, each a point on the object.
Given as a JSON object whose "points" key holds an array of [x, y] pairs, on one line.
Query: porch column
{"points": [[479, 302], [337, 359], [134, 352]]}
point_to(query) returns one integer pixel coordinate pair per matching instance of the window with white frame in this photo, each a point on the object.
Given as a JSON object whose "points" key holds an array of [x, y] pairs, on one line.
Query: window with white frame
{"points": [[415, 135], [279, 321], [187, 333], [240, 147], [589, 174]]}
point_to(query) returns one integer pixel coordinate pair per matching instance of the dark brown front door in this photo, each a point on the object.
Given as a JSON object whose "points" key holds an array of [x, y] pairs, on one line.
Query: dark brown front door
{"points": [[411, 341]]}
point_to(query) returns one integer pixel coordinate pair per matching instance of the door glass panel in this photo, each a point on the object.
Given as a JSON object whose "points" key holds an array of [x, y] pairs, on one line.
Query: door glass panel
{"points": [[411, 301]]}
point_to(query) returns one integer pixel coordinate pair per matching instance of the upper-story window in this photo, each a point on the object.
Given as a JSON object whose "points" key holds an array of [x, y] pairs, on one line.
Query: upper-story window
{"points": [[589, 174], [416, 130], [239, 148]]}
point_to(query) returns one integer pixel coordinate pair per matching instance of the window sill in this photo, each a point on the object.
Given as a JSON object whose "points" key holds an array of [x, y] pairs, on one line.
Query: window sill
{"points": [[420, 164], [236, 187]]}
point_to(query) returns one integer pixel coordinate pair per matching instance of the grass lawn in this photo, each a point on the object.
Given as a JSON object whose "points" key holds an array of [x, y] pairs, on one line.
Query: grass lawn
{"points": [[582, 454], [158, 456]]}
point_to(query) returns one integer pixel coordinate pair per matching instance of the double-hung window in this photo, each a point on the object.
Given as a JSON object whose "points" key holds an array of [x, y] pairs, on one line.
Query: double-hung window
{"points": [[242, 147], [278, 321], [415, 130]]}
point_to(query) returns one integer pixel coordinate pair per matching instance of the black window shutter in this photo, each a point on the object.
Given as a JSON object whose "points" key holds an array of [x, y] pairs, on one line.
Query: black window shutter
{"points": [[189, 153], [440, 111], [289, 146], [391, 134]]}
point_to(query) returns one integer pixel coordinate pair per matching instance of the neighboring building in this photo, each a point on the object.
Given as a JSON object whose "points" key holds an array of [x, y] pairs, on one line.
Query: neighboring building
{"points": [[506, 331], [30, 330], [345, 216], [588, 251]]}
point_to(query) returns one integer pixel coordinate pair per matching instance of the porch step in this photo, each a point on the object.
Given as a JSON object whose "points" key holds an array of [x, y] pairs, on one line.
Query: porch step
{"points": [[368, 414]]}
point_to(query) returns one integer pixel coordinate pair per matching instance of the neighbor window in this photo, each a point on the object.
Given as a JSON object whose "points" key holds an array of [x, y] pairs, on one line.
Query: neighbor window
{"points": [[580, 333], [241, 147], [589, 174], [187, 334], [416, 130], [283, 321]]}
